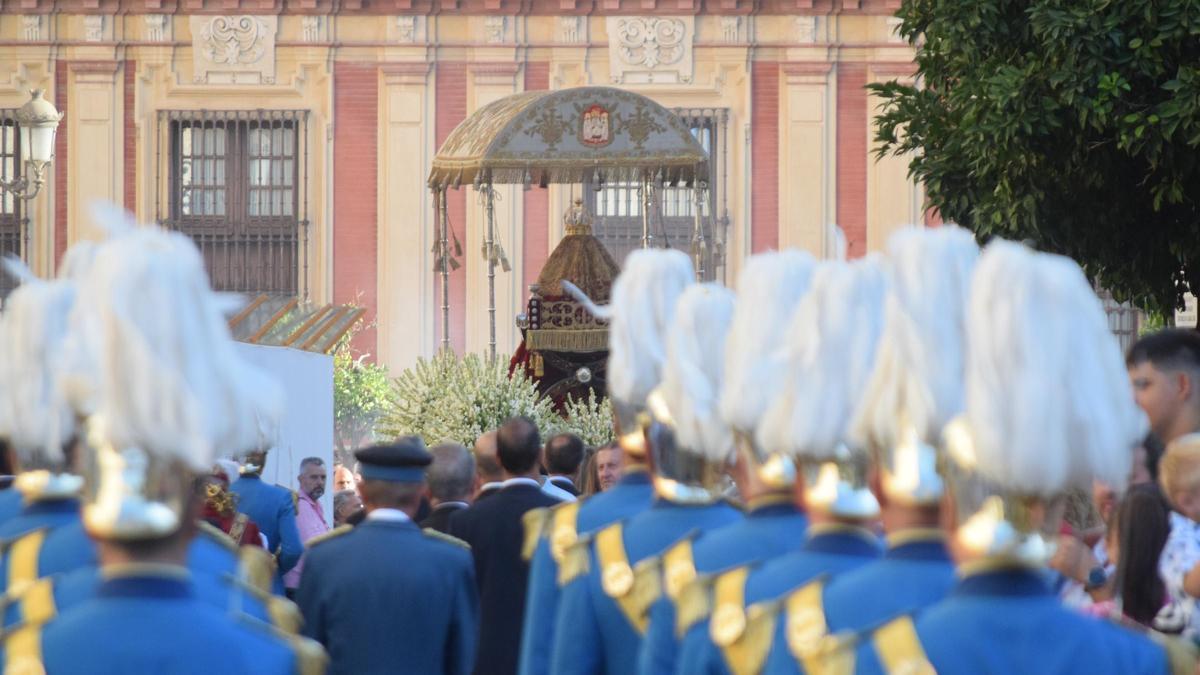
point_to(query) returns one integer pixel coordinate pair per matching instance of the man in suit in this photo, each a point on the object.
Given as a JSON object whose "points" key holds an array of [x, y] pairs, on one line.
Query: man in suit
{"points": [[385, 594], [488, 473], [562, 457], [450, 477], [272, 508], [494, 529]]}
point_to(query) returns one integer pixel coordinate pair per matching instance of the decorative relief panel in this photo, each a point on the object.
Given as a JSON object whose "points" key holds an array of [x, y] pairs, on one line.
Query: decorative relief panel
{"points": [[311, 28], [570, 29], [234, 49], [93, 27], [494, 29], [650, 50], [406, 29], [731, 29], [157, 26], [806, 29], [31, 27]]}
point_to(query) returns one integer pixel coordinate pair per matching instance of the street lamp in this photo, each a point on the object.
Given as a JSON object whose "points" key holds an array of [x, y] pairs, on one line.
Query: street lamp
{"points": [[38, 121]]}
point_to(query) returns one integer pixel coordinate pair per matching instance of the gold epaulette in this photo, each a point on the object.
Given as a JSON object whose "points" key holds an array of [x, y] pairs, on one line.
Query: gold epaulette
{"points": [[634, 590], [442, 536], [311, 658], [256, 567], [216, 534], [22, 559], [1183, 656], [23, 642], [693, 605], [899, 648], [575, 561], [295, 501], [563, 530], [807, 631], [283, 613], [534, 521], [332, 534], [679, 568]]}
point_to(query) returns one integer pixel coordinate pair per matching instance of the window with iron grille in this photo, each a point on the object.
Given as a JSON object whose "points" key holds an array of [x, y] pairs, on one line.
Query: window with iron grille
{"points": [[12, 224], [617, 207], [236, 184]]}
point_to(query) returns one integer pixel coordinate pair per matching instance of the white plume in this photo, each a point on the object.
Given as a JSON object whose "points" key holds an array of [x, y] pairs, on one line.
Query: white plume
{"points": [[691, 382], [37, 419], [1048, 398], [769, 289], [918, 374], [165, 376], [643, 303], [831, 344]]}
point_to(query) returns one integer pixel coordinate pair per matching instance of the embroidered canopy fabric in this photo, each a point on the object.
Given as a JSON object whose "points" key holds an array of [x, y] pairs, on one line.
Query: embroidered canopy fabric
{"points": [[599, 134]]}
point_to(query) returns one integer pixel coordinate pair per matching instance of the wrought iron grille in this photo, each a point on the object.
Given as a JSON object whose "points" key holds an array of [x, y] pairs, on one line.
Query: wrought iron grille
{"points": [[617, 207], [12, 220], [1123, 318], [236, 183]]}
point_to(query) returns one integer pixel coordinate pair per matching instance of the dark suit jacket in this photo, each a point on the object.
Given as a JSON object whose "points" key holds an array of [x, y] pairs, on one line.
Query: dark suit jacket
{"points": [[564, 483], [495, 532], [439, 517]]}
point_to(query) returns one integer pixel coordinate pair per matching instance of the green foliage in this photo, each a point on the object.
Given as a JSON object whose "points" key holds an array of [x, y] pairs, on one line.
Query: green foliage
{"points": [[361, 393], [457, 399], [1072, 123], [591, 419]]}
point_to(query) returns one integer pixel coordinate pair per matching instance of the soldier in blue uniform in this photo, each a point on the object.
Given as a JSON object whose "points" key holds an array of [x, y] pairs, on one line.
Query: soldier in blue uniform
{"points": [[612, 580], [829, 350], [1036, 424], [770, 287], [916, 387], [273, 509], [155, 428], [634, 368], [386, 594]]}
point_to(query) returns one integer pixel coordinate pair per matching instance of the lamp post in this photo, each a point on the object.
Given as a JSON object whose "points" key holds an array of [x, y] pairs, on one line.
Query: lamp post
{"points": [[38, 122]]}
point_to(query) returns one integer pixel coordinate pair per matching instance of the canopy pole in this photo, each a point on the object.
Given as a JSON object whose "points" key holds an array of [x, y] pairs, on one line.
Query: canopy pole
{"points": [[644, 188], [698, 242], [444, 237], [491, 259]]}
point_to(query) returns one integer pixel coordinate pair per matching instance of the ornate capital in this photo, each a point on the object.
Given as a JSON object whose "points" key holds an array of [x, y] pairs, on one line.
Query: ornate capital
{"points": [[31, 27], [93, 27], [494, 29]]}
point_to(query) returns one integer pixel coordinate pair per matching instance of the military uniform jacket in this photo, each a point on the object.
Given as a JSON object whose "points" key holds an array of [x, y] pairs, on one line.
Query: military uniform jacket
{"points": [[631, 495], [1007, 621], [273, 510], [829, 550], [496, 532], [603, 612], [149, 622], [770, 529], [10, 504], [388, 597]]}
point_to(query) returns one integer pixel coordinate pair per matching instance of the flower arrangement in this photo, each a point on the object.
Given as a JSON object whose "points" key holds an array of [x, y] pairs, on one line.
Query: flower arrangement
{"points": [[591, 419]]}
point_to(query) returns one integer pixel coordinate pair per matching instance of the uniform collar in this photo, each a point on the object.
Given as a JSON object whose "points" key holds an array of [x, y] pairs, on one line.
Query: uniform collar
{"points": [[389, 516], [1000, 579], [841, 539], [917, 544], [144, 580], [771, 505], [52, 506], [250, 476]]}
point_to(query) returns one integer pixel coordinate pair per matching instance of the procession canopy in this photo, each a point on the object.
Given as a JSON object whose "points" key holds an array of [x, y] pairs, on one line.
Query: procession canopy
{"points": [[585, 134]]}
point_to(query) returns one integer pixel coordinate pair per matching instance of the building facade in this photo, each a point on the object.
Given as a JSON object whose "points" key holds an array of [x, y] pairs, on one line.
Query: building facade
{"points": [[292, 138]]}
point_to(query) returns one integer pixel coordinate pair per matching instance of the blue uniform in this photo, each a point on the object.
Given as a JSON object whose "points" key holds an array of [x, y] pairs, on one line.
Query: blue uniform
{"points": [[915, 572], [274, 511], [830, 550], [153, 622], [386, 596], [10, 503], [599, 632], [37, 515], [771, 529], [1007, 621], [631, 495]]}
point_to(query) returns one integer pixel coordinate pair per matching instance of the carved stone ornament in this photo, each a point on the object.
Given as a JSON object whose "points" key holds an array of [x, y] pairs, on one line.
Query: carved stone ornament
{"points": [[311, 26], [569, 29], [156, 27], [93, 27], [406, 29], [650, 50], [31, 27], [731, 29], [493, 29], [806, 29], [234, 49]]}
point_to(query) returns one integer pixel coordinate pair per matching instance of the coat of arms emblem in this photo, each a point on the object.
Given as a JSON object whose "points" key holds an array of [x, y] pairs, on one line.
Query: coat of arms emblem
{"points": [[595, 130]]}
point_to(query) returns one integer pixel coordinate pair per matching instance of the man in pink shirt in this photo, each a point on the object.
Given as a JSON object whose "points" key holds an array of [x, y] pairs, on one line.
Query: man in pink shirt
{"points": [[310, 520]]}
